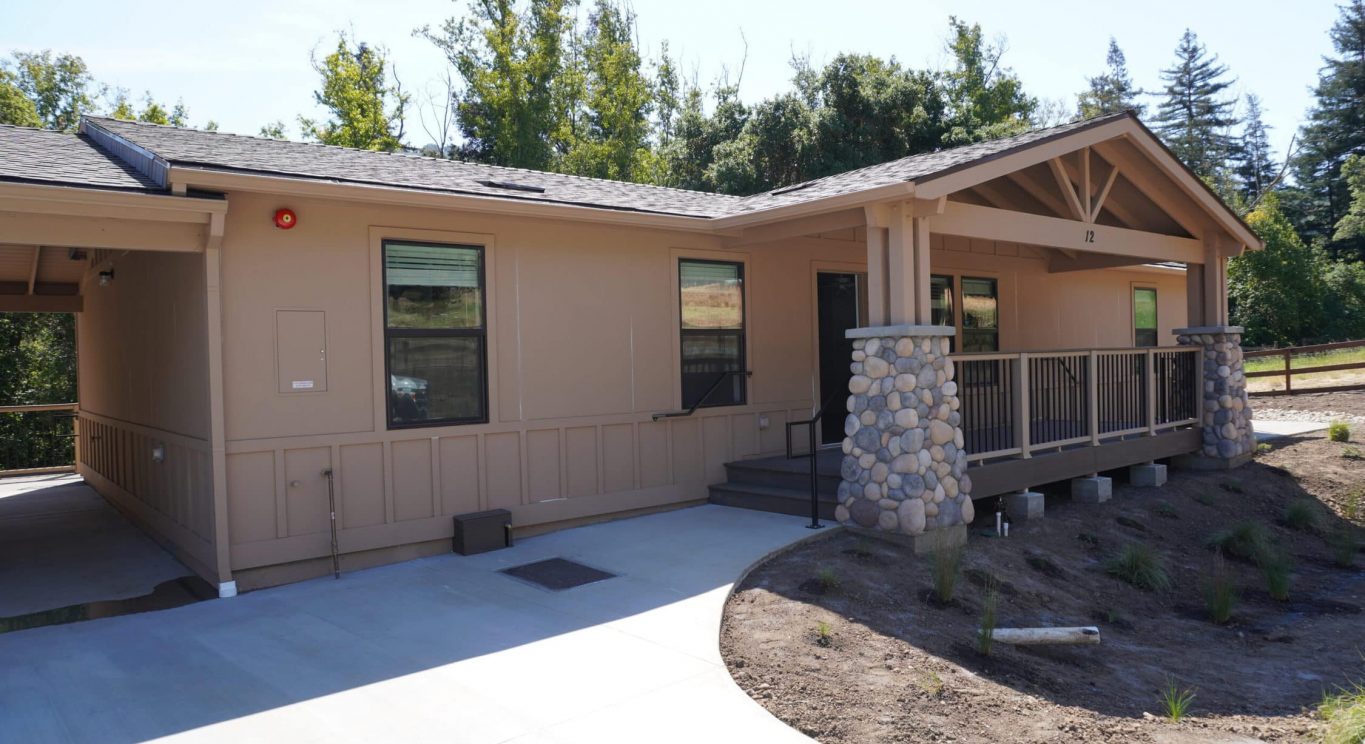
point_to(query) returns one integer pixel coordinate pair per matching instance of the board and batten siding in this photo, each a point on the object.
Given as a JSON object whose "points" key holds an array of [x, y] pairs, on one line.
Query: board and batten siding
{"points": [[582, 349], [143, 384]]}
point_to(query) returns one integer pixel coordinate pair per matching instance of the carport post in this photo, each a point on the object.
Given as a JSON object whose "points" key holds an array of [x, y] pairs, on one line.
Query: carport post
{"points": [[217, 431]]}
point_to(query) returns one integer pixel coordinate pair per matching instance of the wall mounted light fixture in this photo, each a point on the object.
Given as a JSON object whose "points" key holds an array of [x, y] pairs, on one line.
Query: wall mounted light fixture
{"points": [[106, 277]]}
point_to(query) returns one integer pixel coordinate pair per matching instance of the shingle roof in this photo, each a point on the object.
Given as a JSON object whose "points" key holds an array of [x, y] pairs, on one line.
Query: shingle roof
{"points": [[58, 158], [228, 152], [915, 167]]}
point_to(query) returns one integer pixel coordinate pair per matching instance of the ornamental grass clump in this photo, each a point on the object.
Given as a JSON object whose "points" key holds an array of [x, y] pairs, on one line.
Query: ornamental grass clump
{"points": [[1246, 540], [1344, 715], [1301, 515], [1140, 566], [1175, 701], [1338, 431], [985, 635], [947, 566], [1220, 593]]}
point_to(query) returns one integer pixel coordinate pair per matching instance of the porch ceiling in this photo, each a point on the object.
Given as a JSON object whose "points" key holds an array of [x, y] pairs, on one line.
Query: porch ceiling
{"points": [[40, 279]]}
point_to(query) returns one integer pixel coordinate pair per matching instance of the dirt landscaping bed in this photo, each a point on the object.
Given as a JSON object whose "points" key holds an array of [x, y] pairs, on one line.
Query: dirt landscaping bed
{"points": [[1349, 407], [844, 639]]}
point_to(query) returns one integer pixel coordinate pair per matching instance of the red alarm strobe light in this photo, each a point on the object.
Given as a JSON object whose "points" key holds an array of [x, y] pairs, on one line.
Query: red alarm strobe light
{"points": [[285, 218]]}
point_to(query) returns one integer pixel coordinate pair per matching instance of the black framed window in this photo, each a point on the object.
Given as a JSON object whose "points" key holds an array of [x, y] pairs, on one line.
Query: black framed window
{"points": [[980, 315], [435, 334], [711, 299], [941, 311], [1144, 316]]}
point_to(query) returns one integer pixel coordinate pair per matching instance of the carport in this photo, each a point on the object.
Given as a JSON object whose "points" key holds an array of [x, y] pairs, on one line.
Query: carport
{"points": [[83, 233]]}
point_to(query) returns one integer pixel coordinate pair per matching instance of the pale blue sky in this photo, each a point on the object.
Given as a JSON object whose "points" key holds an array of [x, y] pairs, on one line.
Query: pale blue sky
{"points": [[245, 62]]}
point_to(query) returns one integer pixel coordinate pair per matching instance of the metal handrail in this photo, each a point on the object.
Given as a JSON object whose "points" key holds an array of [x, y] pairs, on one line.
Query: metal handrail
{"points": [[814, 475], [719, 379]]}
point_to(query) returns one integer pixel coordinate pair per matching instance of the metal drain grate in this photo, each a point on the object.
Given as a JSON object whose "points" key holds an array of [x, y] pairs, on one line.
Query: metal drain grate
{"points": [[558, 574]]}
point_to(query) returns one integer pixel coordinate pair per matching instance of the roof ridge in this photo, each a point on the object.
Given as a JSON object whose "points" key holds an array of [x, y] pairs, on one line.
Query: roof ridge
{"points": [[415, 156]]}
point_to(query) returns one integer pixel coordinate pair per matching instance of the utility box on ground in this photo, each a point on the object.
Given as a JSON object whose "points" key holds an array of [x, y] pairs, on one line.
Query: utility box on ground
{"points": [[480, 532]]}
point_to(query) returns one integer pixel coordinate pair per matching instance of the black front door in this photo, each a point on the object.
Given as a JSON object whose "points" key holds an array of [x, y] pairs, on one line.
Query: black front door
{"points": [[838, 302]]}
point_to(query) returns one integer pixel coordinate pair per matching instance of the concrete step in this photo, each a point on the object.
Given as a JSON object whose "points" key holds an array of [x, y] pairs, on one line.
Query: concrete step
{"points": [[790, 474], [769, 499]]}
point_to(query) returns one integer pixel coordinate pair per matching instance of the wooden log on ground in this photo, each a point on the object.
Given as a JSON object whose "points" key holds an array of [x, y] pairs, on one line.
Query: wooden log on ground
{"points": [[1048, 636]]}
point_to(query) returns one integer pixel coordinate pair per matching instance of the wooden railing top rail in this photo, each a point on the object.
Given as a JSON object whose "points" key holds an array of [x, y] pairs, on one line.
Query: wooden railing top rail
{"points": [[986, 356], [1304, 349], [39, 407]]}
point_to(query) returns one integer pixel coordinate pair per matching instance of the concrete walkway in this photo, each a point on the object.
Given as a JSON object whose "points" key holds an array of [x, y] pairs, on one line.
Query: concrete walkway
{"points": [[61, 544], [1270, 430], [440, 649]]}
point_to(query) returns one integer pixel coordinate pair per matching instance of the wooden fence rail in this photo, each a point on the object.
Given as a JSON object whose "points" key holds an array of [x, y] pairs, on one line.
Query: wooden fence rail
{"points": [[1289, 370]]}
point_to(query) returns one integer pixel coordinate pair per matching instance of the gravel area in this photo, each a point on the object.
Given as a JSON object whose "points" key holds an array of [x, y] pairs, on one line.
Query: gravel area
{"points": [[1324, 407]]}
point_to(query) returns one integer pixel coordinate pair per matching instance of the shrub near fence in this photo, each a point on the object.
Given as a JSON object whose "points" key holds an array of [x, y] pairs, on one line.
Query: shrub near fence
{"points": [[1320, 359]]}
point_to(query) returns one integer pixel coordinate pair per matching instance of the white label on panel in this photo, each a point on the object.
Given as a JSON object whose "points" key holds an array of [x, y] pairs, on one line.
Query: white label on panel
{"points": [[303, 384]]}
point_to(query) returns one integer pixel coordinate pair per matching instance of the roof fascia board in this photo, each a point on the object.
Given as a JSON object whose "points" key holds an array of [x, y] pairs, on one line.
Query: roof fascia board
{"points": [[1148, 144], [71, 200], [139, 158], [216, 180], [947, 182]]}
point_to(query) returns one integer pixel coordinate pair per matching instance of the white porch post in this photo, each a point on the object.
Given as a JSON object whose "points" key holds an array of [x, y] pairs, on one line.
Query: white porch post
{"points": [[904, 467]]}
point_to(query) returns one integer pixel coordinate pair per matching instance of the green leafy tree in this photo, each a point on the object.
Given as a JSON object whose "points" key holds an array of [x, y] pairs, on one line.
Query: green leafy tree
{"points": [[1112, 91], [617, 97], [38, 367], [1276, 293], [366, 110], [1335, 130], [773, 148], [15, 107], [60, 87], [508, 61], [1253, 160], [869, 110], [273, 130], [1195, 117], [985, 99], [692, 150], [1351, 226]]}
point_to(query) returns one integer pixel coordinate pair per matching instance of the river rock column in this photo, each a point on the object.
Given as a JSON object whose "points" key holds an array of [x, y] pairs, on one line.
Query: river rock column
{"points": [[1228, 439], [904, 467]]}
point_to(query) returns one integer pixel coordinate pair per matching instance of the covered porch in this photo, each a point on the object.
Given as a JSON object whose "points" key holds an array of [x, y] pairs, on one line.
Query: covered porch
{"points": [[136, 526], [1028, 316]]}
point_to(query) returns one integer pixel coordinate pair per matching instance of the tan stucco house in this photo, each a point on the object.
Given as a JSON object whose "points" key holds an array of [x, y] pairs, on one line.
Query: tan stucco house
{"points": [[446, 338]]}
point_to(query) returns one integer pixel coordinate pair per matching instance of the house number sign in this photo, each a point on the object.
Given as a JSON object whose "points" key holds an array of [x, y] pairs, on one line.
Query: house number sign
{"points": [[1089, 236]]}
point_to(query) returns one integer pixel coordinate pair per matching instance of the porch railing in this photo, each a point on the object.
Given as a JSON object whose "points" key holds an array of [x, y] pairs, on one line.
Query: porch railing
{"points": [[37, 438], [1014, 405]]}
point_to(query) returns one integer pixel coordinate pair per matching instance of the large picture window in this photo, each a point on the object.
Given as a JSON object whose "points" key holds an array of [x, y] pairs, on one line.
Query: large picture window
{"points": [[1144, 316], [435, 334], [980, 315], [711, 299]]}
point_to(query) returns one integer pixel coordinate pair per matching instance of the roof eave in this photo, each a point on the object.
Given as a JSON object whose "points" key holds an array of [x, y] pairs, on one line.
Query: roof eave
{"points": [[222, 180]]}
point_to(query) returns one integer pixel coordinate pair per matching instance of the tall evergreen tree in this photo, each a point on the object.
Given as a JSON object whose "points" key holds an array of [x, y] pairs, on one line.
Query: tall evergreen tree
{"points": [[1111, 91], [366, 109], [1253, 160], [1195, 118], [509, 61], [1335, 129]]}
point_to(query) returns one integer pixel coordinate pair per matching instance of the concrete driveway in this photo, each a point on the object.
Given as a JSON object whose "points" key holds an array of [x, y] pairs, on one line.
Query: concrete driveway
{"points": [[439, 649]]}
